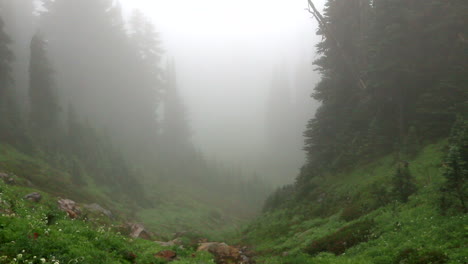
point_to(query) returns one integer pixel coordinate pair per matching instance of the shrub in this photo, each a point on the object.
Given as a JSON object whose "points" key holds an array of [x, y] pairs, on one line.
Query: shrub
{"points": [[455, 189], [403, 185], [278, 198], [342, 239], [413, 256], [381, 196], [352, 212]]}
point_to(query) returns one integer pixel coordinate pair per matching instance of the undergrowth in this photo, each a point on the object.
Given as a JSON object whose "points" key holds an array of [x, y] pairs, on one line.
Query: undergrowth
{"points": [[40, 233], [353, 217]]}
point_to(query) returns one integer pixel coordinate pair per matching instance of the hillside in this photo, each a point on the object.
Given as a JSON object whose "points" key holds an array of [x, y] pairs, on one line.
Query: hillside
{"points": [[100, 228], [352, 218], [102, 161], [172, 210], [349, 217], [38, 232]]}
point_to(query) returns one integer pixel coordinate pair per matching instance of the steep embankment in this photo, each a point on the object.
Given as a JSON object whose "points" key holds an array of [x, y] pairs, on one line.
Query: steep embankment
{"points": [[173, 209], [352, 218], [38, 231]]}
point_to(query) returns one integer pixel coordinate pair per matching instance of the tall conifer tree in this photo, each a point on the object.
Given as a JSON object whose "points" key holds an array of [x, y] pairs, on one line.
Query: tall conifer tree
{"points": [[175, 129], [7, 104], [42, 91]]}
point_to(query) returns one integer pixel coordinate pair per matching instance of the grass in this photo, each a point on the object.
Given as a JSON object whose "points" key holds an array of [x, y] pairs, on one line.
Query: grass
{"points": [[40, 233], [412, 233], [182, 214], [27, 236]]}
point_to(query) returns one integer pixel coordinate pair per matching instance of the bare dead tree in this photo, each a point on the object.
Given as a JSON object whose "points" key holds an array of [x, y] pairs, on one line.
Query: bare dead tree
{"points": [[331, 36]]}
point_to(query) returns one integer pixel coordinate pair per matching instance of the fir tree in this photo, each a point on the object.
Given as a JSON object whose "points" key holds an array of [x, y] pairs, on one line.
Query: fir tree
{"points": [[8, 112], [455, 189], [176, 133], [19, 23], [42, 91], [403, 185], [5, 63]]}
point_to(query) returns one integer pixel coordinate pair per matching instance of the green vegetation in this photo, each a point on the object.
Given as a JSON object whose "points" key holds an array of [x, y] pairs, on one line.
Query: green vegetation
{"points": [[383, 230], [41, 233], [385, 180]]}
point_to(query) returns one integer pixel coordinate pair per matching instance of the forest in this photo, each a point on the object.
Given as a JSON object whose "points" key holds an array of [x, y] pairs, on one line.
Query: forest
{"points": [[219, 141]]}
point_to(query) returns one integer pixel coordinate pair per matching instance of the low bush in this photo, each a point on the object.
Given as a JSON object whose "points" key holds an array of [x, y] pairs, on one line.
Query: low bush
{"points": [[352, 212], [342, 239], [413, 256]]}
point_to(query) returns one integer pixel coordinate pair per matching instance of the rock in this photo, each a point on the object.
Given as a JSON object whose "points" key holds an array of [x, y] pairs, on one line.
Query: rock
{"points": [[4, 176], [169, 243], [70, 207], [202, 240], [35, 197], [168, 255], [138, 231], [245, 260], [179, 234], [99, 209], [7, 178], [222, 252]]}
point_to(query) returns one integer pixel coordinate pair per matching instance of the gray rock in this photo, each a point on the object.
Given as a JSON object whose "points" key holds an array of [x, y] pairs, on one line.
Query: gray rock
{"points": [[35, 197], [169, 243], [7, 178], [70, 207], [138, 231], [99, 209]]}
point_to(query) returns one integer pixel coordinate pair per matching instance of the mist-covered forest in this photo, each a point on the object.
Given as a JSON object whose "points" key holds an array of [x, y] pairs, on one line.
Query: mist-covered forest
{"points": [[266, 131]]}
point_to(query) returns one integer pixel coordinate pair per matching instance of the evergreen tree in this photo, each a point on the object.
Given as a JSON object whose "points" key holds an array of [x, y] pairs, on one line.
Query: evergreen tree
{"points": [[406, 89], [148, 75], [412, 57], [117, 68], [176, 133], [42, 92], [340, 119], [5, 63], [455, 189], [8, 112], [403, 185], [19, 23]]}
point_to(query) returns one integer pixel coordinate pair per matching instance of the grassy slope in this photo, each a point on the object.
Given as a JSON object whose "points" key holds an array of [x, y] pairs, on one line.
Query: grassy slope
{"points": [[416, 225], [32, 231], [184, 214], [77, 241], [176, 209]]}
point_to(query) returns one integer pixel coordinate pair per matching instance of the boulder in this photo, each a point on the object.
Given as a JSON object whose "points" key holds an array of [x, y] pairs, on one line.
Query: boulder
{"points": [[98, 209], [179, 234], [35, 197], [3, 176], [169, 243], [138, 231], [70, 207], [167, 255], [222, 252], [7, 178]]}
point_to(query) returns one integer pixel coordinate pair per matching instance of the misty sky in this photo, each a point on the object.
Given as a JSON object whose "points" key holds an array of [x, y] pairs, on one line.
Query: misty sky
{"points": [[225, 53]]}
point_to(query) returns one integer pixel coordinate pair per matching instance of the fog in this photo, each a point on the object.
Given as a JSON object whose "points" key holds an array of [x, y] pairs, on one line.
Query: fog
{"points": [[226, 53], [208, 99]]}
